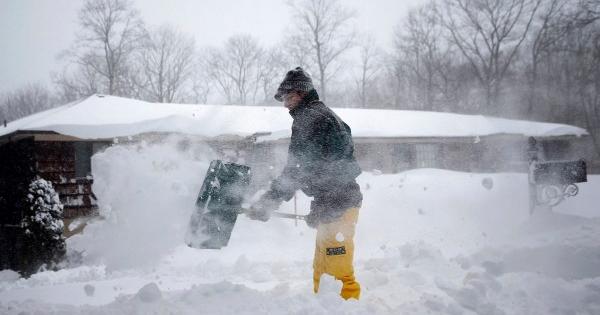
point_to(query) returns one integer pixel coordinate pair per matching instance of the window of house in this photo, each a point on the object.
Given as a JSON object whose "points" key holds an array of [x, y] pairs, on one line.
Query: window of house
{"points": [[83, 159], [403, 156], [426, 155]]}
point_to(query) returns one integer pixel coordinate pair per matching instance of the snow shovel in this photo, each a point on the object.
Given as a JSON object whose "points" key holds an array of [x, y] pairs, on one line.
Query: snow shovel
{"points": [[218, 205]]}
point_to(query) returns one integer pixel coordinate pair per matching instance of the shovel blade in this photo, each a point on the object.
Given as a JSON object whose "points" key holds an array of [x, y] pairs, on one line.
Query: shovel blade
{"points": [[218, 204]]}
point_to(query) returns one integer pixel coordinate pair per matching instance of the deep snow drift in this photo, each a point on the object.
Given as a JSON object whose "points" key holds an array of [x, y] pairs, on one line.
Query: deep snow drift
{"points": [[427, 241]]}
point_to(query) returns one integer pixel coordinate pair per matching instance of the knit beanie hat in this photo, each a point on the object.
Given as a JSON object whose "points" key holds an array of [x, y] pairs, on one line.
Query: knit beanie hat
{"points": [[295, 80]]}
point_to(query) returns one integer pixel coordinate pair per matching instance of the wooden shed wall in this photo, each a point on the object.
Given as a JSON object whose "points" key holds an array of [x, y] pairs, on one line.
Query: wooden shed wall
{"points": [[57, 161], [17, 170]]}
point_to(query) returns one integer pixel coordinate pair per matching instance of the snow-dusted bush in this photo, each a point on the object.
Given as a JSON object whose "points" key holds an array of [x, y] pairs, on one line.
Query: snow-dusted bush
{"points": [[43, 226]]}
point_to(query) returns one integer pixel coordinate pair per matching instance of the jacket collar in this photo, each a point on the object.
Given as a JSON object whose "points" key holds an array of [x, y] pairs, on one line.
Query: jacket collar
{"points": [[305, 102]]}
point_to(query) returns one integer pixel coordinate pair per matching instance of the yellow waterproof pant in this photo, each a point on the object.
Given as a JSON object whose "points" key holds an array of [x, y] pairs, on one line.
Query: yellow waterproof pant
{"points": [[334, 253]]}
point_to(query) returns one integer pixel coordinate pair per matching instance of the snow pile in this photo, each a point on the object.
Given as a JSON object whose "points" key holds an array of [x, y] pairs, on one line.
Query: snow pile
{"points": [[9, 276], [427, 241], [146, 194], [149, 293]]}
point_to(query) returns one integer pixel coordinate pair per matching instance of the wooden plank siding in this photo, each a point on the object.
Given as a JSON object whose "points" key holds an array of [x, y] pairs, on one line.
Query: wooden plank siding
{"points": [[56, 162]]}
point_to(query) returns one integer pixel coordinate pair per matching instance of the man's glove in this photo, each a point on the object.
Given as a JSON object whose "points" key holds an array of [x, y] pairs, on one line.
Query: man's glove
{"points": [[262, 209]]}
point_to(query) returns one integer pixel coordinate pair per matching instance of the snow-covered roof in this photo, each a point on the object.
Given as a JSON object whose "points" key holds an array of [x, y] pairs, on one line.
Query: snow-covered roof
{"points": [[100, 116]]}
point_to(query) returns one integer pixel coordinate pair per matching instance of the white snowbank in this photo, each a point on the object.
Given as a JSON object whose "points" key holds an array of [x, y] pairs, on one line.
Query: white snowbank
{"points": [[427, 241], [9, 275], [144, 193], [108, 116]]}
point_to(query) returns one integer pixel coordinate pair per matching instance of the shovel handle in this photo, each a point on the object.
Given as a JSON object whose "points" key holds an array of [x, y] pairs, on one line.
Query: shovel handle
{"points": [[280, 215], [288, 216]]}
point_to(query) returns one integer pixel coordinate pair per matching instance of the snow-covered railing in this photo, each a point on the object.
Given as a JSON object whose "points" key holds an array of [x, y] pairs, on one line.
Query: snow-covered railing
{"points": [[550, 182]]}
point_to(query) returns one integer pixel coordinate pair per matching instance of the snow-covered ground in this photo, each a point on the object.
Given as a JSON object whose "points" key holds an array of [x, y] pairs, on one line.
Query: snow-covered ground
{"points": [[428, 241]]}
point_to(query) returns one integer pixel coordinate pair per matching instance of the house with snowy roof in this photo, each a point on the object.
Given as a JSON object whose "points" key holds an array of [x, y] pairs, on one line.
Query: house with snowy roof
{"points": [[57, 144]]}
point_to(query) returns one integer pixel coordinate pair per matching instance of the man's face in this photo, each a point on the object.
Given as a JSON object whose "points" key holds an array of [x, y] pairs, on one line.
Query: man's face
{"points": [[291, 100]]}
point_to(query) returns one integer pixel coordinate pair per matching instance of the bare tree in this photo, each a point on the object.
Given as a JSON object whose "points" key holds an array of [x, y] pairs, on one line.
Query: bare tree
{"points": [[369, 67], [558, 73], [489, 34], [421, 45], [74, 84], [110, 31], [568, 68], [274, 67], [236, 68], [215, 64], [586, 50], [244, 55], [547, 30], [590, 88], [323, 27], [167, 60], [394, 84], [200, 82], [298, 52], [24, 101]]}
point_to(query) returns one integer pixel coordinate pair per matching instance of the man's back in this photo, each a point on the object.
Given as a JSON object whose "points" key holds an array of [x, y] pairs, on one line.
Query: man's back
{"points": [[321, 158]]}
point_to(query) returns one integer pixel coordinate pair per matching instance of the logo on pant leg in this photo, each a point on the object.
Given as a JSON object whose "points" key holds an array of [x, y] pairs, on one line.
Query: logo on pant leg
{"points": [[332, 251]]}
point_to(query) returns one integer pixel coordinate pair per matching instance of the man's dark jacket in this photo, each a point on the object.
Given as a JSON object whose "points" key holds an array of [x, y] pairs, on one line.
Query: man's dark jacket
{"points": [[320, 161]]}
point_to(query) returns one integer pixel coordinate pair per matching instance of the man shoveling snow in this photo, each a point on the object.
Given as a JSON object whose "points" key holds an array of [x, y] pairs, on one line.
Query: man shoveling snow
{"points": [[321, 163]]}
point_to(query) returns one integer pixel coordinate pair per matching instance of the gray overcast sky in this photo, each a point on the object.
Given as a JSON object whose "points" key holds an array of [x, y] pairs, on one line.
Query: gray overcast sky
{"points": [[34, 32]]}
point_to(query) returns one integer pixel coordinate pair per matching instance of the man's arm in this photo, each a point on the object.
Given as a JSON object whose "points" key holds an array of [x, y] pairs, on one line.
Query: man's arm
{"points": [[285, 185], [282, 189], [306, 154]]}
